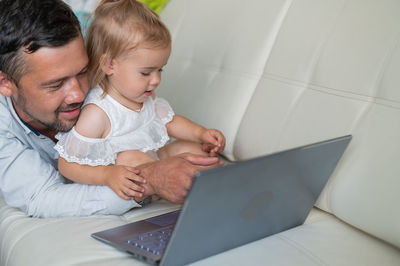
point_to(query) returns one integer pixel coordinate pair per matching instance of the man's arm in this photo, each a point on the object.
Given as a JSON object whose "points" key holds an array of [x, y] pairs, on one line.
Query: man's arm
{"points": [[31, 182]]}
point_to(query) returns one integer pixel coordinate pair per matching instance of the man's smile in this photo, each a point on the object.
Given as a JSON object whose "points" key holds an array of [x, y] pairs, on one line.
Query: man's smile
{"points": [[71, 112]]}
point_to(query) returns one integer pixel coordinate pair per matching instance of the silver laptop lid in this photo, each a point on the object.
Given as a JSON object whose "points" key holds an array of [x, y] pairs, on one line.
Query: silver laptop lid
{"points": [[239, 203]]}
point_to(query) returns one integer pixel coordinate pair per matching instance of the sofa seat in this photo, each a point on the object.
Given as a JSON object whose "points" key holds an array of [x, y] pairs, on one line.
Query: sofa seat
{"points": [[65, 241], [323, 239]]}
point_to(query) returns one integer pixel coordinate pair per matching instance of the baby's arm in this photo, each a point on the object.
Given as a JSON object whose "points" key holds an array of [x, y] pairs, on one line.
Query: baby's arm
{"points": [[119, 178], [182, 128], [94, 123]]}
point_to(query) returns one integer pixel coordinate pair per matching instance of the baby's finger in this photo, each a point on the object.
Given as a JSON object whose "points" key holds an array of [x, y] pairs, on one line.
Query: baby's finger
{"points": [[133, 186], [133, 170], [204, 147], [207, 147], [123, 195], [216, 137], [132, 193], [212, 154], [136, 178], [221, 139], [221, 143]]}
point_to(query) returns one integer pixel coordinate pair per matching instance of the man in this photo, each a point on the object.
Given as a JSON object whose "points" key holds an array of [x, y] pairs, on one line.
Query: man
{"points": [[43, 83]]}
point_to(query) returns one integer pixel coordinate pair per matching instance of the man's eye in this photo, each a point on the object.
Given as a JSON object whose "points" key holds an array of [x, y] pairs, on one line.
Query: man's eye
{"points": [[83, 73], [57, 86]]}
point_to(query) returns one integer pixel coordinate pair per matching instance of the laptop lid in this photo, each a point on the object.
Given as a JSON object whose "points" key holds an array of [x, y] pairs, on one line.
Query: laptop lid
{"points": [[239, 203]]}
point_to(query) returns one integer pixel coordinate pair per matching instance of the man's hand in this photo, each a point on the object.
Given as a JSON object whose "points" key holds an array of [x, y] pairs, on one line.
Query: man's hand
{"points": [[172, 178]]}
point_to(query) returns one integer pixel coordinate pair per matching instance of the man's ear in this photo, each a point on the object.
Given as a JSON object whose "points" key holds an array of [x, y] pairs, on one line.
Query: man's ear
{"points": [[107, 64], [5, 85]]}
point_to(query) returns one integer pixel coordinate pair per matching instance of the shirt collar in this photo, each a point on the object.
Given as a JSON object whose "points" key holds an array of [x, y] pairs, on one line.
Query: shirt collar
{"points": [[28, 129]]}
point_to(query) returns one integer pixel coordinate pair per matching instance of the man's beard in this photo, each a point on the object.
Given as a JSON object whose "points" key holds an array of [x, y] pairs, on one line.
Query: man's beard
{"points": [[57, 124]]}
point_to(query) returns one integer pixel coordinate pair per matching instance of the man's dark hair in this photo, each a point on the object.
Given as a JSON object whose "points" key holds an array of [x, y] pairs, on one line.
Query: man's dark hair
{"points": [[28, 25]]}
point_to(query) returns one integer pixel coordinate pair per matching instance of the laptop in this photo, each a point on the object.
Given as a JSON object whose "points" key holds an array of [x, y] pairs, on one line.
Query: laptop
{"points": [[233, 205]]}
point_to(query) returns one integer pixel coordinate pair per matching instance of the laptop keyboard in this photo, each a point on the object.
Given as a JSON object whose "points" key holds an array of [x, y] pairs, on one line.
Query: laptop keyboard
{"points": [[154, 242]]}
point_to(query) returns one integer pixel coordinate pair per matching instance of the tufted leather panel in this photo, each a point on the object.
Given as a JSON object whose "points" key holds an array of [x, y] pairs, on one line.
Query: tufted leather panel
{"points": [[289, 73]]}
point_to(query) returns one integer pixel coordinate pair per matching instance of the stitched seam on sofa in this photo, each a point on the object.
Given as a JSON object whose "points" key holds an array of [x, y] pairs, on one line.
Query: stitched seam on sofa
{"points": [[332, 91], [304, 250]]}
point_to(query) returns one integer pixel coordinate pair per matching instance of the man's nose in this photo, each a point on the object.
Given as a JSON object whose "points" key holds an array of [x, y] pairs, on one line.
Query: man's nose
{"points": [[76, 92]]}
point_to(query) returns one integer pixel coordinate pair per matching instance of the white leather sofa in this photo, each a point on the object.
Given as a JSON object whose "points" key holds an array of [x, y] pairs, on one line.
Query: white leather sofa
{"points": [[271, 74]]}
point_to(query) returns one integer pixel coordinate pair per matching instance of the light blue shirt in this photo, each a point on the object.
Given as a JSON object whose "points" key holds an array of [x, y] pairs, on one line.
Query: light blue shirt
{"points": [[30, 181]]}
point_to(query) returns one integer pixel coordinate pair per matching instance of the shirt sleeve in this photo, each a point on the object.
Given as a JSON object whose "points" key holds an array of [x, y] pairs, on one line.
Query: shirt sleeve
{"points": [[31, 183]]}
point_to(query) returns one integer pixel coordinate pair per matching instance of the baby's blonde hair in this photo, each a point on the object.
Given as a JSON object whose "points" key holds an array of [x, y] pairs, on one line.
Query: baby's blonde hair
{"points": [[120, 26]]}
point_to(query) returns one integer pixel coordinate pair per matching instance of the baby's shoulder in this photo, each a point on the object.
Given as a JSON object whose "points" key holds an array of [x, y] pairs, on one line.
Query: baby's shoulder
{"points": [[93, 122], [92, 111]]}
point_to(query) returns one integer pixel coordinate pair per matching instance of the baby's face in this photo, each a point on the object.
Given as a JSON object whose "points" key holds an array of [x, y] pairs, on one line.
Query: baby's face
{"points": [[134, 76]]}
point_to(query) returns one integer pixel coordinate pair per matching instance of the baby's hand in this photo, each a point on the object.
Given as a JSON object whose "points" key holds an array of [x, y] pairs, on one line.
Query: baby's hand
{"points": [[213, 141], [123, 180]]}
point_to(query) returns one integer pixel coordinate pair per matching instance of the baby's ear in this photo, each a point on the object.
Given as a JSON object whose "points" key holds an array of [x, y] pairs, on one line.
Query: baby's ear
{"points": [[107, 64], [5, 85]]}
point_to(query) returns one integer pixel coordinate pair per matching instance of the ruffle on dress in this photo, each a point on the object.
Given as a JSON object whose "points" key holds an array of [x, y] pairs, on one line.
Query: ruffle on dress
{"points": [[144, 131], [164, 110], [75, 148]]}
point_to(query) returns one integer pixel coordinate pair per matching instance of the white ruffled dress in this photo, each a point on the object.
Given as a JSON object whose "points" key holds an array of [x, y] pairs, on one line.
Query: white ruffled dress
{"points": [[144, 131]]}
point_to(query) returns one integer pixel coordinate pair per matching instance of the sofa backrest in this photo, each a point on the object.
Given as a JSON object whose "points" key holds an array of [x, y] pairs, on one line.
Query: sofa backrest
{"points": [[275, 74]]}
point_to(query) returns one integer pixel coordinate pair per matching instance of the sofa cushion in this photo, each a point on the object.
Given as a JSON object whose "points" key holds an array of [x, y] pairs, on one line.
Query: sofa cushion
{"points": [[65, 241], [323, 240]]}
